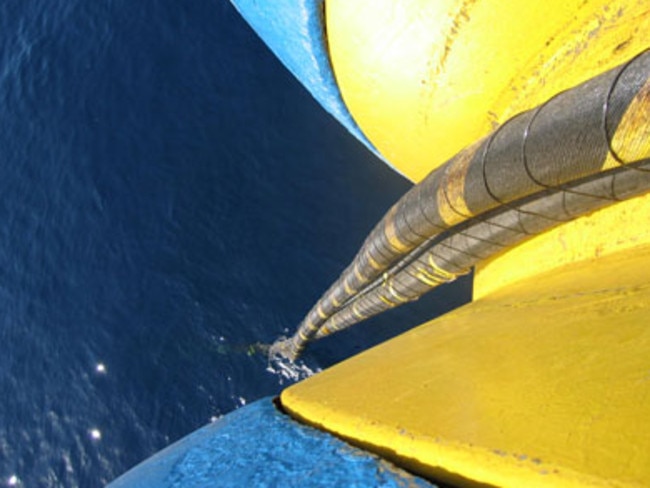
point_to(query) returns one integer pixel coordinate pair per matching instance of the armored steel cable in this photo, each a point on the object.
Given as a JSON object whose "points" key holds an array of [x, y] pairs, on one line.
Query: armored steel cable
{"points": [[540, 153], [459, 257]]}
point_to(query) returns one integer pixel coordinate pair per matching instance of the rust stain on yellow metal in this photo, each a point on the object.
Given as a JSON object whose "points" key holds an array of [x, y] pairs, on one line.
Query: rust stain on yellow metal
{"points": [[425, 78], [545, 382]]}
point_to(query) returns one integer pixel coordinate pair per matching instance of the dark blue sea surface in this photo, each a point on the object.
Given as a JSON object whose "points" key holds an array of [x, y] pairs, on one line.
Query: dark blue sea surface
{"points": [[169, 195]]}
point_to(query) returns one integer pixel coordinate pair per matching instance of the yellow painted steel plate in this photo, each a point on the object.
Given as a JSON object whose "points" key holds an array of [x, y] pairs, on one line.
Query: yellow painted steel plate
{"points": [[545, 382], [425, 78]]}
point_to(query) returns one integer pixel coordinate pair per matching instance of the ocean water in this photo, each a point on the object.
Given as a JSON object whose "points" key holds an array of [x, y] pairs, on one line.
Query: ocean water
{"points": [[169, 195]]}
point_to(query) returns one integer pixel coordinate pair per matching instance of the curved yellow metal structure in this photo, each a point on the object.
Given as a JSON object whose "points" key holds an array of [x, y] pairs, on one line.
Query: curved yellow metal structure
{"points": [[544, 379], [544, 383], [423, 79], [542, 168]]}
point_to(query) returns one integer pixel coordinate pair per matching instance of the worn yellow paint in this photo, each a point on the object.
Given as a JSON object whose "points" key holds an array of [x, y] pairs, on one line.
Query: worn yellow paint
{"points": [[545, 382], [358, 274], [620, 227], [427, 277], [425, 78], [349, 290], [391, 233], [374, 263], [320, 312], [444, 275], [451, 193]]}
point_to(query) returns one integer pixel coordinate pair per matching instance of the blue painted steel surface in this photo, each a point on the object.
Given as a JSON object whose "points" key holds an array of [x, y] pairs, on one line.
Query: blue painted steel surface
{"points": [[259, 446], [294, 31]]}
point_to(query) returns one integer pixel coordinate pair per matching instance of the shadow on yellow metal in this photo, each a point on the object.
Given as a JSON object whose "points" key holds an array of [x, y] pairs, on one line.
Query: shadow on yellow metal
{"points": [[425, 78], [544, 382]]}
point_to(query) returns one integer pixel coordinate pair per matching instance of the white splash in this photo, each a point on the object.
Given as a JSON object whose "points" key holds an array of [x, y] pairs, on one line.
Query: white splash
{"points": [[95, 434], [291, 371], [100, 368], [13, 480]]}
